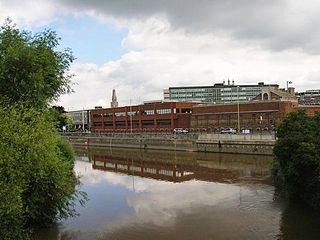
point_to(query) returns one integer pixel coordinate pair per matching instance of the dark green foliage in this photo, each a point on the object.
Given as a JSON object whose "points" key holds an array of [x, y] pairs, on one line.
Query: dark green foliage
{"points": [[31, 70], [37, 184], [297, 157], [60, 117]]}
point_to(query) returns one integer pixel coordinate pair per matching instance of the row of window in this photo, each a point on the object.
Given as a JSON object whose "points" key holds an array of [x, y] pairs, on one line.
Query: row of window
{"points": [[133, 123], [134, 113]]}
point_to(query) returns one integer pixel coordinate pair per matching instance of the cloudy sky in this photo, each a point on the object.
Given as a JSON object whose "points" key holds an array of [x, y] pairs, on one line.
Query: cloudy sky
{"points": [[140, 47]]}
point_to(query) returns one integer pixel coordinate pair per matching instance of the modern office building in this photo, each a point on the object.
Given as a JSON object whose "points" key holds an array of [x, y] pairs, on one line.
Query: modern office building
{"points": [[81, 119], [309, 97], [218, 93], [154, 116]]}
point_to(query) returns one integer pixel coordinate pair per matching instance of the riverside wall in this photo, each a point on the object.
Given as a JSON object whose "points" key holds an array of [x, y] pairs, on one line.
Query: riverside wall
{"points": [[203, 143]]}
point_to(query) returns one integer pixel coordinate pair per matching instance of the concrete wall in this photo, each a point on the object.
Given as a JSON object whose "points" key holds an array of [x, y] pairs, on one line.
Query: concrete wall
{"points": [[204, 144]]}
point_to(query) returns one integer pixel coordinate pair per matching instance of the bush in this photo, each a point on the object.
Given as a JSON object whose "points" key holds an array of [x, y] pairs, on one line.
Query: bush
{"points": [[37, 184], [297, 158]]}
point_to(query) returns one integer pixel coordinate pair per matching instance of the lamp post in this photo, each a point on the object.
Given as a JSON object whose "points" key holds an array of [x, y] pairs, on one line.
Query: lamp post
{"points": [[238, 109], [130, 117]]}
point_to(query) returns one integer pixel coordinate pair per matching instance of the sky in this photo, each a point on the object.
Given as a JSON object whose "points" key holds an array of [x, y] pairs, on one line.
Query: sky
{"points": [[140, 47]]}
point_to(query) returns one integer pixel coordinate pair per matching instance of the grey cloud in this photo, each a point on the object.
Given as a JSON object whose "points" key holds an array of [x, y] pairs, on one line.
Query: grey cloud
{"points": [[275, 24]]}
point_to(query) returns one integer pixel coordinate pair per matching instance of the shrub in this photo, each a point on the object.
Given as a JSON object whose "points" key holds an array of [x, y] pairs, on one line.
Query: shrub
{"points": [[297, 158]]}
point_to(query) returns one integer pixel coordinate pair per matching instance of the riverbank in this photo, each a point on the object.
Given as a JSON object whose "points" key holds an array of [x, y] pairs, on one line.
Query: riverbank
{"points": [[216, 143]]}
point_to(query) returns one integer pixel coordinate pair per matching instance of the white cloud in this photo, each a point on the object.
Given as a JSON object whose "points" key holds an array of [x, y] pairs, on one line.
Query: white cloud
{"points": [[160, 57], [201, 44]]}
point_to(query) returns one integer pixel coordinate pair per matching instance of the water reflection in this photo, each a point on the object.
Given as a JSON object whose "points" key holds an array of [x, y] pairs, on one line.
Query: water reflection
{"points": [[166, 195], [173, 167]]}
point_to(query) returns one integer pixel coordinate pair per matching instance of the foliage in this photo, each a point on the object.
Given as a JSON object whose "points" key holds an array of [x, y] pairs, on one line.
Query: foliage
{"points": [[37, 184], [61, 117], [297, 157], [31, 69]]}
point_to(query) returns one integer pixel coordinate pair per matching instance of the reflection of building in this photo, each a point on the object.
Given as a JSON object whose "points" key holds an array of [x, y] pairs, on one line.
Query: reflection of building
{"points": [[155, 170], [218, 93], [155, 116], [81, 119], [179, 167]]}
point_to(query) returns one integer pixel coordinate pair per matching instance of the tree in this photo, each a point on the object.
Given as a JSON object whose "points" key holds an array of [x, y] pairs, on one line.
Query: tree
{"points": [[31, 69], [37, 184], [297, 157], [61, 117]]}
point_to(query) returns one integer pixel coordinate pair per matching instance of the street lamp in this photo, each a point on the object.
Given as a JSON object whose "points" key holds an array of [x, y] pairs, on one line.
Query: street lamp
{"points": [[238, 109]]}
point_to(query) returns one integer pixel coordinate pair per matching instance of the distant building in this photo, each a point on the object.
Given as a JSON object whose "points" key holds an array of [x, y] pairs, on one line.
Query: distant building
{"points": [[81, 119], [114, 102], [254, 115], [277, 94], [146, 117], [309, 97], [218, 93]]}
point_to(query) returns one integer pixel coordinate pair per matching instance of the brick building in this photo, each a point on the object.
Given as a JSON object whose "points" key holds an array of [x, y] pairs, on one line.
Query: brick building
{"points": [[258, 115], [154, 116]]}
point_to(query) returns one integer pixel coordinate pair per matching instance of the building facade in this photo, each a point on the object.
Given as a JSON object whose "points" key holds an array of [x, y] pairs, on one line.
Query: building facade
{"points": [[218, 93], [255, 116], [163, 116], [309, 97], [81, 119]]}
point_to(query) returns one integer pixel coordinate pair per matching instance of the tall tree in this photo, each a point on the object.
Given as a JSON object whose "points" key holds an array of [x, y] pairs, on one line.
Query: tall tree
{"points": [[297, 157], [32, 70]]}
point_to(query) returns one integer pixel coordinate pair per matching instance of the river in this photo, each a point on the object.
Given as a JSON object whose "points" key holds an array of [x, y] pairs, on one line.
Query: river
{"points": [[137, 194]]}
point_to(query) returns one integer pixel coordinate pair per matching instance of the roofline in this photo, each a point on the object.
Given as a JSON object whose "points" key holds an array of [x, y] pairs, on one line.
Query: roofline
{"points": [[225, 86]]}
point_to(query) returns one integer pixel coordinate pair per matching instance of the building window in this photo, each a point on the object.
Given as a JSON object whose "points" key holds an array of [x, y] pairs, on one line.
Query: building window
{"points": [[120, 124], [163, 111], [120, 114], [97, 115], [132, 113], [108, 115], [97, 124], [147, 123], [163, 122], [148, 112]]}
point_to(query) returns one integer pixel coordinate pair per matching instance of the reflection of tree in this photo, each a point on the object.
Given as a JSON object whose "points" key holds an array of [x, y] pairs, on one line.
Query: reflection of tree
{"points": [[54, 232], [299, 222]]}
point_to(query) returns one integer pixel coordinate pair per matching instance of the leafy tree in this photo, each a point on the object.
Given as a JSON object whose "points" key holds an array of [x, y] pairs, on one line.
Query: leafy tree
{"points": [[297, 157], [37, 184], [61, 117], [31, 69]]}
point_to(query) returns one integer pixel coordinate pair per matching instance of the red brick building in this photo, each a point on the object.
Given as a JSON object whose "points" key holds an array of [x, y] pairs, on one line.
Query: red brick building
{"points": [[256, 115], [159, 116]]}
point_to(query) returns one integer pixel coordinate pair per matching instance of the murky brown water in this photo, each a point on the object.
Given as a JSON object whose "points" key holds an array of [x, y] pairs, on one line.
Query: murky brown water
{"points": [[169, 195]]}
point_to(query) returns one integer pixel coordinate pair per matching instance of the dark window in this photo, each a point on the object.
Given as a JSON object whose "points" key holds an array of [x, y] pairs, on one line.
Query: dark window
{"points": [[147, 123], [120, 124], [97, 124]]}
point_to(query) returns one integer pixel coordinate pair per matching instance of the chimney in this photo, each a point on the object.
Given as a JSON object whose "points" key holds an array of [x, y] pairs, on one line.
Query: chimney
{"points": [[291, 91], [228, 81]]}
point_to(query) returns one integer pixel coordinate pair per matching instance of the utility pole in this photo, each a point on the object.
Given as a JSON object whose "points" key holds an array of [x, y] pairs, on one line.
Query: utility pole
{"points": [[238, 110]]}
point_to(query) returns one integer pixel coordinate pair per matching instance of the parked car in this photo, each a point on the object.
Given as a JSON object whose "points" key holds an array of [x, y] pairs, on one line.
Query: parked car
{"points": [[179, 130], [228, 131]]}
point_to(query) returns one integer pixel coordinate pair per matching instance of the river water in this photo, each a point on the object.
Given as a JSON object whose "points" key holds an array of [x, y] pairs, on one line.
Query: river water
{"points": [[137, 194]]}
